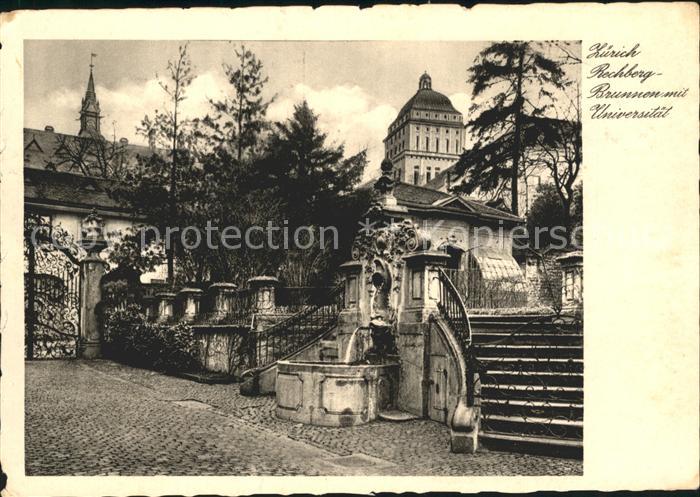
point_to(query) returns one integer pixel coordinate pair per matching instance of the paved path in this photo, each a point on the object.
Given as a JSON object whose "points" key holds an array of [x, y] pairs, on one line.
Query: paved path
{"points": [[99, 417]]}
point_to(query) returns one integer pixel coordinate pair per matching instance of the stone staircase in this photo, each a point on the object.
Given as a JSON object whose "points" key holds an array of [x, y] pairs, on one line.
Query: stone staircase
{"points": [[531, 384]]}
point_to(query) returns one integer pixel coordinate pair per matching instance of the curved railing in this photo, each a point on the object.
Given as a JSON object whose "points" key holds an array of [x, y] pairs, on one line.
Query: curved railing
{"points": [[453, 310]]}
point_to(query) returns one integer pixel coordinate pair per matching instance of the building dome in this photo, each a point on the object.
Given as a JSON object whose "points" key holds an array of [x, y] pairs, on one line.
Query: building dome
{"points": [[427, 99]]}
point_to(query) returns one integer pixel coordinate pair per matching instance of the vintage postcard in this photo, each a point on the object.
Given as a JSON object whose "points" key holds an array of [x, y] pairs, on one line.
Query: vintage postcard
{"points": [[245, 248]]}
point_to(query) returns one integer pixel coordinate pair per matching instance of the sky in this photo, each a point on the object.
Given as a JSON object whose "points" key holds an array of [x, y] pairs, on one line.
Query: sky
{"points": [[357, 88]]}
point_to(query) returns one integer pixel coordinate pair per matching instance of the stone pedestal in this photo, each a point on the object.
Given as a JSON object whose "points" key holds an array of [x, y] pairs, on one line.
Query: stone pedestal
{"points": [[221, 295], [165, 306], [149, 305], [263, 288], [92, 268], [571, 282], [189, 299], [420, 297], [350, 316]]}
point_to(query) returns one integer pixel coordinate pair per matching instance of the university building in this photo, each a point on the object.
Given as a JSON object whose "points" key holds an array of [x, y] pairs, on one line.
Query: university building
{"points": [[426, 137]]}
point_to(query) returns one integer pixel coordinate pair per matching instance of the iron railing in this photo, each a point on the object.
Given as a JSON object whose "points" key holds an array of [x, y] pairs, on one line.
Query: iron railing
{"points": [[274, 343], [478, 292], [295, 298], [453, 309]]}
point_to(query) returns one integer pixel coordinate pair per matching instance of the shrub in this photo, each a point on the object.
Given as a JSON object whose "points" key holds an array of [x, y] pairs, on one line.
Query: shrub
{"points": [[131, 339]]}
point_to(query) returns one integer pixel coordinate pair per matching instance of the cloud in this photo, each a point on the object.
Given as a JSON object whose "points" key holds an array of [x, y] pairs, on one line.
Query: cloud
{"points": [[461, 101], [124, 107], [347, 114]]}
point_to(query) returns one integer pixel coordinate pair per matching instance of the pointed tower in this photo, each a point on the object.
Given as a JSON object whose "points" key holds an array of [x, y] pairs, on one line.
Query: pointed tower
{"points": [[90, 110]]}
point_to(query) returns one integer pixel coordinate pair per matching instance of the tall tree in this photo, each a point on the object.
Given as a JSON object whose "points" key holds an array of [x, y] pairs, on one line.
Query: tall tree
{"points": [[239, 118], [169, 128], [513, 82], [310, 174]]}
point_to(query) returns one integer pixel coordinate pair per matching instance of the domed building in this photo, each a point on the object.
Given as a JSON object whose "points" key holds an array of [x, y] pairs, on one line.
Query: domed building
{"points": [[426, 137]]}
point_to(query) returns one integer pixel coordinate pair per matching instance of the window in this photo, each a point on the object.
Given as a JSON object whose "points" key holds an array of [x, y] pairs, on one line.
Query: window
{"points": [[416, 175], [417, 142], [427, 146], [428, 173], [447, 144], [457, 146], [437, 144]]}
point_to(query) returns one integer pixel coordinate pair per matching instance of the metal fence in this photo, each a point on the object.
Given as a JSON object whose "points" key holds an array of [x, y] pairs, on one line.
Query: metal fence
{"points": [[478, 292]]}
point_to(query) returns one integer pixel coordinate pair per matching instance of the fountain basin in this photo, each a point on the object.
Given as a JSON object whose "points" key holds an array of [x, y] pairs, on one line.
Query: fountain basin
{"points": [[334, 394]]}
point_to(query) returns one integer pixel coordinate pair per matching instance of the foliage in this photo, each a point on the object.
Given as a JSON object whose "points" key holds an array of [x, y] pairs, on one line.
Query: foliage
{"points": [[129, 252], [239, 119], [515, 82], [131, 339], [168, 128], [548, 212], [221, 182], [309, 174]]}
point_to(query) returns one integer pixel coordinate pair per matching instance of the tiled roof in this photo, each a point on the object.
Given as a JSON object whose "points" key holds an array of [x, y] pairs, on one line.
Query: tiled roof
{"points": [[52, 188], [405, 192], [426, 99], [413, 195], [40, 147]]}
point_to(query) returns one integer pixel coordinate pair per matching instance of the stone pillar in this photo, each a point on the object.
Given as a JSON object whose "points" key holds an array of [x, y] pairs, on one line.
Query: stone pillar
{"points": [[263, 288], [221, 295], [571, 282], [92, 268], [421, 294], [149, 306], [350, 316], [165, 306], [189, 299]]}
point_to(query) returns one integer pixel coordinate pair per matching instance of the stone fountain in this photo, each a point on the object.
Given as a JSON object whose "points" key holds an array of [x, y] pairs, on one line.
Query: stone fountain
{"points": [[393, 352]]}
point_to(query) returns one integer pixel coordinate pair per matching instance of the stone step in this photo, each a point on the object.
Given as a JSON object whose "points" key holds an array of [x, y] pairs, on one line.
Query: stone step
{"points": [[531, 392], [518, 350], [535, 378], [564, 429], [516, 365], [530, 338], [533, 408], [531, 444], [396, 416]]}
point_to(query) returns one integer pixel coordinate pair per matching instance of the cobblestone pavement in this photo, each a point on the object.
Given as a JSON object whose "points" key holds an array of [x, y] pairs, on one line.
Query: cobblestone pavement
{"points": [[100, 417]]}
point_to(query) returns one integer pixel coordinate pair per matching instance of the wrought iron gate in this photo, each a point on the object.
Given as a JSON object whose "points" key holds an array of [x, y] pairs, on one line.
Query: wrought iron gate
{"points": [[51, 291]]}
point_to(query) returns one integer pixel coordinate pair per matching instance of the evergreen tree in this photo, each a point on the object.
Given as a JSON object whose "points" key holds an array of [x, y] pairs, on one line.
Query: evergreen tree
{"points": [[239, 118], [514, 82], [309, 174]]}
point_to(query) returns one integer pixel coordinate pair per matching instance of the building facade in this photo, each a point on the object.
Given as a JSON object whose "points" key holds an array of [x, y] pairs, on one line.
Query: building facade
{"points": [[426, 137], [65, 176]]}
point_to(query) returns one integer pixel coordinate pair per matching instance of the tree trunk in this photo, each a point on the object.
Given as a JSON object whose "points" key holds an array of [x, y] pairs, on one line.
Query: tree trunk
{"points": [[516, 138], [170, 252]]}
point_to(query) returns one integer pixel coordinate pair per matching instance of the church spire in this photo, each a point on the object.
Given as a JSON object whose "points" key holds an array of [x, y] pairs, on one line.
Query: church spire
{"points": [[90, 108]]}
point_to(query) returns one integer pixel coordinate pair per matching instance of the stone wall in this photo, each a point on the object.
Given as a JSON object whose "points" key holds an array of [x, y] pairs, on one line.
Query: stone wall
{"points": [[542, 278]]}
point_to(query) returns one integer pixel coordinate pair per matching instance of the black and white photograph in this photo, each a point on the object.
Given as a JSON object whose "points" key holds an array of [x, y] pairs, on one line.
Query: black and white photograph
{"points": [[248, 258], [308, 250]]}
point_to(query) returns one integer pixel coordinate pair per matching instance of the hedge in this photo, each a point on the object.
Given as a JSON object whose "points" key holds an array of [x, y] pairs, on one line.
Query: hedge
{"points": [[131, 339]]}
